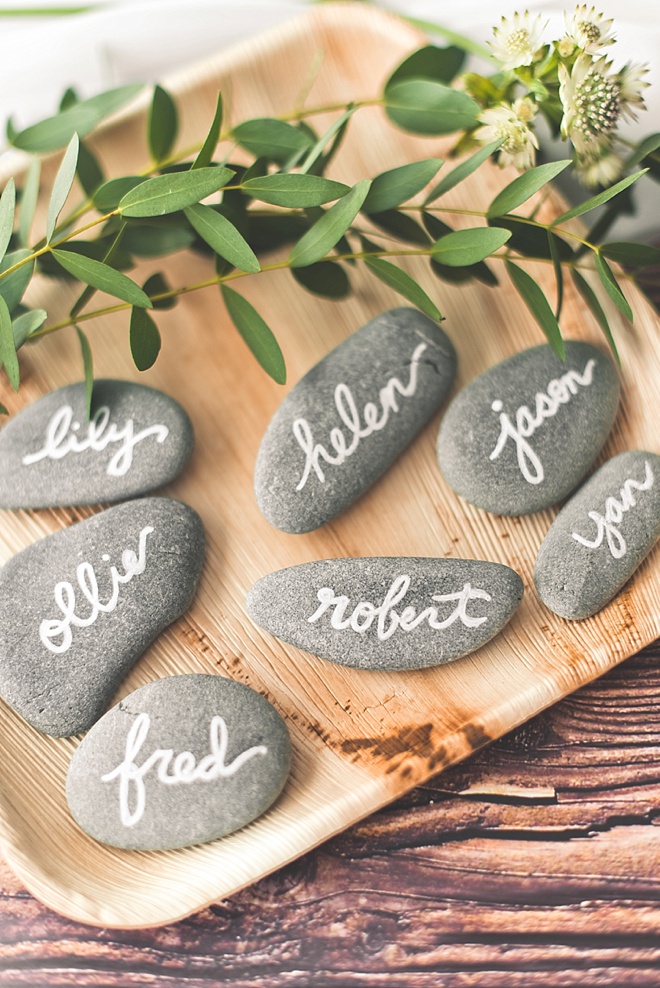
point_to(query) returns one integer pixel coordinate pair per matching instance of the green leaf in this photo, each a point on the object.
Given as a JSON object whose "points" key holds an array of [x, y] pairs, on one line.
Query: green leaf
{"points": [[88, 367], [163, 124], [169, 193], [157, 285], [524, 186], [101, 276], [611, 286], [402, 283], [152, 239], [110, 194], [464, 247], [589, 204], [12, 286], [57, 131], [7, 211], [538, 305], [326, 278], [89, 171], [456, 175], [272, 139], [426, 107], [559, 275], [69, 98], [431, 62], [205, 156], [62, 185], [337, 130], [256, 334], [633, 255], [644, 148], [328, 230], [26, 324], [393, 187], [223, 237], [591, 299], [29, 199], [294, 190], [3, 410], [7, 347], [145, 339]]}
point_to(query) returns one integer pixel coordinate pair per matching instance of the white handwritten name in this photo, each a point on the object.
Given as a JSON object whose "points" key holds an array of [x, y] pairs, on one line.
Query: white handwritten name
{"points": [[65, 596], [559, 392], [374, 420], [388, 620], [183, 769], [614, 512], [61, 440]]}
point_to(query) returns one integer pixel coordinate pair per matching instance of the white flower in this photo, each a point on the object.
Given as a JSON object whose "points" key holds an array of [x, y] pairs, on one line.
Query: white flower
{"points": [[631, 85], [603, 169], [588, 29], [510, 122], [517, 41], [591, 97]]}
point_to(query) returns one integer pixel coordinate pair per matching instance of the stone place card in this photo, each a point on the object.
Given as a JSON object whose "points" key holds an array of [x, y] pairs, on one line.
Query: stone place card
{"points": [[78, 608], [349, 417], [522, 435], [50, 456], [180, 761], [393, 613], [600, 536]]}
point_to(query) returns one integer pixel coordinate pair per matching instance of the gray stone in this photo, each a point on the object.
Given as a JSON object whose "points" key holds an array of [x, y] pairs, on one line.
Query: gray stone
{"points": [[600, 536], [180, 761], [387, 612], [77, 608], [137, 440], [349, 417], [522, 435]]}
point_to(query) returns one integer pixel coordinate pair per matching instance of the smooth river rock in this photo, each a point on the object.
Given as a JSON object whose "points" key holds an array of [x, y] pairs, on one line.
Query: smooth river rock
{"points": [[180, 761], [78, 608], [387, 612], [522, 435], [137, 440], [600, 536], [350, 416]]}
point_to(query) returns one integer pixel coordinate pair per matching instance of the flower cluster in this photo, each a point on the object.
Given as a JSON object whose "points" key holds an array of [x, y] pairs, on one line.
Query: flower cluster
{"points": [[571, 81]]}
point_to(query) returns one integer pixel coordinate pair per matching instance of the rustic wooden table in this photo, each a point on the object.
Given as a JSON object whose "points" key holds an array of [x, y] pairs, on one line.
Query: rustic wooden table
{"points": [[536, 862]]}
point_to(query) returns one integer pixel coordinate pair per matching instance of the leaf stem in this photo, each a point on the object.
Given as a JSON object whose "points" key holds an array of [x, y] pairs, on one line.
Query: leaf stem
{"points": [[55, 243]]}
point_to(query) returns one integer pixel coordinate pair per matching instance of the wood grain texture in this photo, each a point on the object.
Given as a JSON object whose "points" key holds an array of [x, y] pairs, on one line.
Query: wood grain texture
{"points": [[534, 863], [360, 739]]}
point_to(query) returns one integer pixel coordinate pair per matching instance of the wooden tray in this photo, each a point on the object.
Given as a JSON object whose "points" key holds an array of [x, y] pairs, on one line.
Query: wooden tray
{"points": [[360, 739]]}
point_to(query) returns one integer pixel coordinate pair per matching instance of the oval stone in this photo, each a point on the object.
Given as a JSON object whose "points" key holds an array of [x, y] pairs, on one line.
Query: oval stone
{"points": [[78, 608], [600, 536], [180, 761], [387, 612], [136, 440], [523, 434], [349, 417]]}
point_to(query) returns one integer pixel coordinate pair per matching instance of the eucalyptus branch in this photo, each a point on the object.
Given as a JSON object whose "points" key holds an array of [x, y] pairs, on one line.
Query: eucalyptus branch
{"points": [[283, 202]]}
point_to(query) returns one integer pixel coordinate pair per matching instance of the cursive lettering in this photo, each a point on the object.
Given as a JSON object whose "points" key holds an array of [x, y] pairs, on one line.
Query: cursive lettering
{"points": [[374, 421], [559, 392], [61, 439], [65, 596], [614, 512], [183, 769], [387, 619]]}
